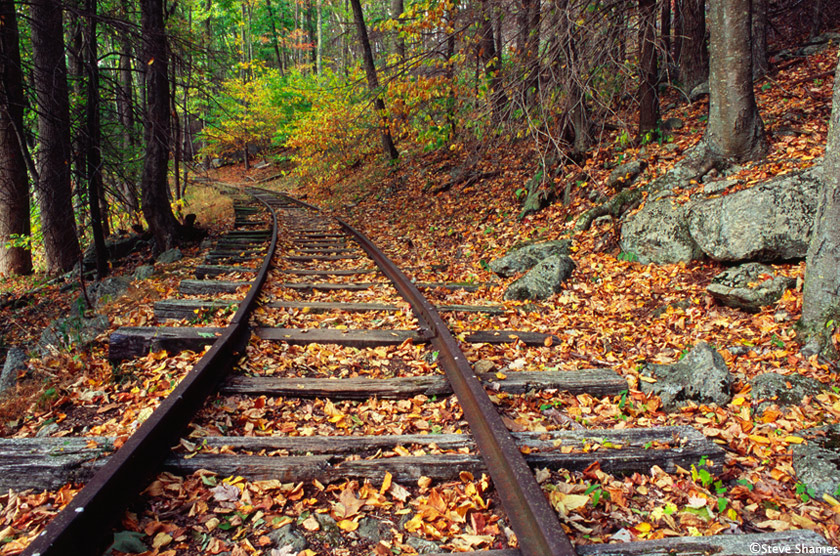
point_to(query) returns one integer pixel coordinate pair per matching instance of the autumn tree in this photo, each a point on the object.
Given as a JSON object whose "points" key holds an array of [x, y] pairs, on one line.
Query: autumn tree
{"points": [[53, 190], [14, 187], [157, 128], [821, 294]]}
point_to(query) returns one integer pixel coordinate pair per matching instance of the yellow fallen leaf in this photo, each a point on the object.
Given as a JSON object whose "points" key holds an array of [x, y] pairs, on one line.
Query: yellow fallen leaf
{"points": [[759, 439], [794, 439], [647, 379], [348, 525], [386, 483], [501, 376], [161, 539], [831, 500]]}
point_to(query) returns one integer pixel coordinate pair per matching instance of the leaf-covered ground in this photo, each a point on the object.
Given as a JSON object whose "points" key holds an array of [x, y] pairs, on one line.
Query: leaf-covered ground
{"points": [[613, 313]]}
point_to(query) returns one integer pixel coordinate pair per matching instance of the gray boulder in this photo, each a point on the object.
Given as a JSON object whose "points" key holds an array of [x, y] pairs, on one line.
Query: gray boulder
{"points": [[66, 332], [625, 174], [784, 389], [526, 257], [718, 186], [543, 280], [768, 222], [701, 376], [749, 287], [170, 256], [816, 462], [16, 360], [659, 234]]}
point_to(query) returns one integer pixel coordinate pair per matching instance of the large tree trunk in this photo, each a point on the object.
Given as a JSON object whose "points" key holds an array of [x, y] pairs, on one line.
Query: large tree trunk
{"points": [[528, 48], [373, 82], [821, 295], [92, 143], [157, 129], [735, 132], [275, 40], [14, 187], [691, 52], [648, 75], [61, 244]]}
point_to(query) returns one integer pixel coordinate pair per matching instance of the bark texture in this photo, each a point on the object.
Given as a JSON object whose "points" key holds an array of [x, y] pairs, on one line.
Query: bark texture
{"points": [[735, 132], [648, 99], [14, 187], [154, 186], [691, 51], [373, 82], [821, 295], [61, 245]]}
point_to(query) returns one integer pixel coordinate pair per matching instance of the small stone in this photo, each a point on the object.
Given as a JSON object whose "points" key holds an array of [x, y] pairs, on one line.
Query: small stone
{"points": [[624, 175], [714, 187], [170, 256], [16, 360], [784, 389], [288, 535], [672, 124], [144, 272], [701, 376], [816, 463], [422, 546], [524, 258], [699, 91], [47, 430], [483, 366], [542, 281], [749, 287]]}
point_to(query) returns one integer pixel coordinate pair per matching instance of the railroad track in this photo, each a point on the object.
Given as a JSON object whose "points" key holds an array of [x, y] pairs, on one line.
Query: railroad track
{"points": [[282, 263]]}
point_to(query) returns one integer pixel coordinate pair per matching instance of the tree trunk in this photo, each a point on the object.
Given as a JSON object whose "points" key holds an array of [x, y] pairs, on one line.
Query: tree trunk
{"points": [[761, 64], [648, 76], [319, 24], [157, 129], [125, 109], [14, 187], [92, 143], [397, 8], [488, 56], [528, 48], [691, 52], [61, 244], [735, 132], [275, 39], [373, 82], [821, 294]]}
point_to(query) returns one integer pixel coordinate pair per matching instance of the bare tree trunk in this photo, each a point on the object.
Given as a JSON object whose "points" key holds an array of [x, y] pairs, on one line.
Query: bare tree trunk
{"points": [[816, 18], [125, 110], [157, 129], [397, 8], [54, 155], [373, 82], [319, 46], [821, 294], [14, 187], [647, 95], [92, 143], [761, 63], [693, 55], [489, 58], [735, 132]]}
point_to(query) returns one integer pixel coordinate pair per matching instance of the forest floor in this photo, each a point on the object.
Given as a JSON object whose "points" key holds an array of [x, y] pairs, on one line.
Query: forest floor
{"points": [[614, 313]]}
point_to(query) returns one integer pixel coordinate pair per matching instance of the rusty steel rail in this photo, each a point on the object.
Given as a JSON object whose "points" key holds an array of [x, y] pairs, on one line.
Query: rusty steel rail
{"points": [[81, 527], [534, 521]]}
